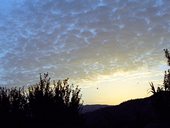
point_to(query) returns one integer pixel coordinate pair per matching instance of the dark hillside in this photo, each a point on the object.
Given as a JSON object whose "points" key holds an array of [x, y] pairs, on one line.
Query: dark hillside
{"points": [[139, 113]]}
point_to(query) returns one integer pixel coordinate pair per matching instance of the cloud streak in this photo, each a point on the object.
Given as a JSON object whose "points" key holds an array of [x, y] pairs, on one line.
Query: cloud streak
{"points": [[80, 39]]}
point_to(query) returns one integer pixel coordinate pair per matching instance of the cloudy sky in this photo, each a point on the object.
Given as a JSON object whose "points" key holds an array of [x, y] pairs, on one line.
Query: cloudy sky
{"points": [[111, 48]]}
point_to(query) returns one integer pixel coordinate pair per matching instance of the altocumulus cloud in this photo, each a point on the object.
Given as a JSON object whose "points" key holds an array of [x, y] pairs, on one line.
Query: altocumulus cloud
{"points": [[80, 38]]}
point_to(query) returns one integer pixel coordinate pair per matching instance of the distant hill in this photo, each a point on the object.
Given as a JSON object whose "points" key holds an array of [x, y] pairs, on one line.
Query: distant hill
{"points": [[91, 108], [139, 113]]}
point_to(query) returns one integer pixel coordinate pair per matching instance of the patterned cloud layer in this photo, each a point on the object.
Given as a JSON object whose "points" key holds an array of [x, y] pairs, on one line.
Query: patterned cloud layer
{"points": [[80, 38]]}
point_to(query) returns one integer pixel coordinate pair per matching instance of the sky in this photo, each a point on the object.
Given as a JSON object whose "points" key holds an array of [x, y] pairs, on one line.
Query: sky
{"points": [[111, 48]]}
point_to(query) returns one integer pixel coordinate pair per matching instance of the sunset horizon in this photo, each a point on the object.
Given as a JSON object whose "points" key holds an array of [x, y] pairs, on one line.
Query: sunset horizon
{"points": [[111, 49]]}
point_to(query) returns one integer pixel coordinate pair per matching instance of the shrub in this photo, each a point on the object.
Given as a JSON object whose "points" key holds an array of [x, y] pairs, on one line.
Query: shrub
{"points": [[41, 105]]}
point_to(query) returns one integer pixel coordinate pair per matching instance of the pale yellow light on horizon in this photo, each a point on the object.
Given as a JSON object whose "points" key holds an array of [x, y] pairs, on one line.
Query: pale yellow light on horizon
{"points": [[121, 86]]}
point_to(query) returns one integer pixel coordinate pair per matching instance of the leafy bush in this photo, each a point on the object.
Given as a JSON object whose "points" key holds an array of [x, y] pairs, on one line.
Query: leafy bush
{"points": [[41, 105]]}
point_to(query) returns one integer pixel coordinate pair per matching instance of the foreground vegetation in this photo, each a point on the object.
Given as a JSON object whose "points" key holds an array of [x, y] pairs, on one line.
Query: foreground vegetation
{"points": [[45, 104], [161, 94], [166, 83]]}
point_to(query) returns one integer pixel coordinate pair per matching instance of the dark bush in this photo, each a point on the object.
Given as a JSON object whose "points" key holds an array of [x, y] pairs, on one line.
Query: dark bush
{"points": [[41, 105]]}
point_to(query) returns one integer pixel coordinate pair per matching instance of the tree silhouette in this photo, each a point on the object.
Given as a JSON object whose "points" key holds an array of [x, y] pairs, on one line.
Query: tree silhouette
{"points": [[166, 83], [167, 55], [42, 105], [161, 96], [167, 73], [54, 103]]}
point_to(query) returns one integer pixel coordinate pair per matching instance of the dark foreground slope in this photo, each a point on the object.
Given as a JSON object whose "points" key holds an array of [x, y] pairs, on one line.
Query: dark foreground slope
{"points": [[139, 113]]}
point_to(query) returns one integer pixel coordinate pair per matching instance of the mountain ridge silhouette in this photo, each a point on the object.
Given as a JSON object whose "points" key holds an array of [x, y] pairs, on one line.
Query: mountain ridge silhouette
{"points": [[136, 113]]}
